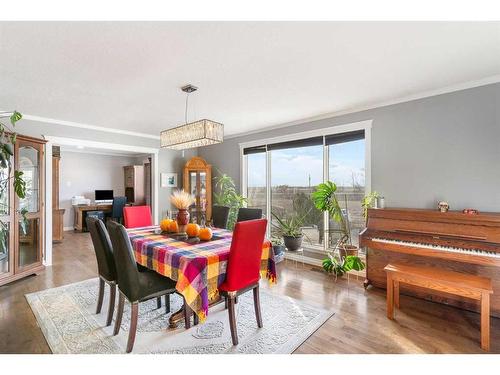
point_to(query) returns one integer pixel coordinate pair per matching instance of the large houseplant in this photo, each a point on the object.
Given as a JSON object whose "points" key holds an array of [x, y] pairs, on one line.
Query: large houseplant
{"points": [[7, 141], [227, 195], [344, 256]]}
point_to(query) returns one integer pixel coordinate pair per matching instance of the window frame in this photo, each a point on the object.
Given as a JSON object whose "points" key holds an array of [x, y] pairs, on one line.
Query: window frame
{"points": [[365, 125]]}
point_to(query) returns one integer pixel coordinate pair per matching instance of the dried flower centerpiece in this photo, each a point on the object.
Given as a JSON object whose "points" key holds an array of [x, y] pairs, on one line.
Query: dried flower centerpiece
{"points": [[182, 200]]}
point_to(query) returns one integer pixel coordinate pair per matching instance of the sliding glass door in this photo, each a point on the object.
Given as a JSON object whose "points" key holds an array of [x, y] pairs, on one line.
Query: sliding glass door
{"points": [[346, 167], [295, 173], [279, 177]]}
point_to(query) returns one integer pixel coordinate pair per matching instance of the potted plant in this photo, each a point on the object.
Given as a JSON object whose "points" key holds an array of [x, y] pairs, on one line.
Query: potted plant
{"points": [[290, 228], [227, 195], [344, 256], [278, 245], [369, 201]]}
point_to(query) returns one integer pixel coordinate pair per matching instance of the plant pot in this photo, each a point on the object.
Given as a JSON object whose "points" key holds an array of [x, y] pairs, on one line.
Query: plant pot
{"points": [[293, 243], [182, 220], [348, 250], [278, 249]]}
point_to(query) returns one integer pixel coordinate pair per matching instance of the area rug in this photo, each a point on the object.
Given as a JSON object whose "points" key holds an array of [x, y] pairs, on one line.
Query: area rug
{"points": [[66, 316]]}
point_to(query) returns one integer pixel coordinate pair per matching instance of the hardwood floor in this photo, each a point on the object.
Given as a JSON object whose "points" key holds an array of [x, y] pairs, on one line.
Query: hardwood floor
{"points": [[358, 326]]}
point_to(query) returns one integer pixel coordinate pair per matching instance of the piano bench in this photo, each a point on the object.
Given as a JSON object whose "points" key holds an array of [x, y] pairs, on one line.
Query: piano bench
{"points": [[465, 285]]}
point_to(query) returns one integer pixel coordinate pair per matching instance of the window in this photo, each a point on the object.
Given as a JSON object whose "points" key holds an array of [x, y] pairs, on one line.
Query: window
{"points": [[256, 181], [295, 172], [286, 173], [346, 167]]}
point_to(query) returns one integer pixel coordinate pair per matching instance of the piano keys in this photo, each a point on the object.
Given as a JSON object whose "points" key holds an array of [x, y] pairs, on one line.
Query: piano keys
{"points": [[448, 240]]}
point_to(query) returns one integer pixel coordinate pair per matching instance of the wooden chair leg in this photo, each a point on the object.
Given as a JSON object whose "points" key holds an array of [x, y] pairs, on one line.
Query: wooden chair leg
{"points": [[111, 307], [196, 320], [225, 303], [390, 297], [256, 303], [158, 302], [100, 297], [236, 300], [133, 326], [167, 303], [232, 320], [485, 321], [396, 294], [119, 314], [187, 315]]}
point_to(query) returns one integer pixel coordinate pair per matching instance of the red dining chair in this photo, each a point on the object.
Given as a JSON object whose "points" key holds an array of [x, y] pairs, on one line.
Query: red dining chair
{"points": [[243, 268], [137, 216]]}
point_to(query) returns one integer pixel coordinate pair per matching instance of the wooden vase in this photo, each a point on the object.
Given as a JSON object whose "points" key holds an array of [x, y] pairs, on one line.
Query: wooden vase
{"points": [[182, 220]]}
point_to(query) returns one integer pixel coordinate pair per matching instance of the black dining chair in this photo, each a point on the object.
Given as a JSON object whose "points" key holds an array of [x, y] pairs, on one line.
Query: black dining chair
{"points": [[105, 264], [220, 216], [134, 285], [116, 213], [245, 214]]}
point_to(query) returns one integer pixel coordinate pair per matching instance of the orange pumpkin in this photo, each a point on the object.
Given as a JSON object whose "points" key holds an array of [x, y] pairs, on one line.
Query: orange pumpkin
{"points": [[165, 225], [173, 227], [193, 230], [205, 234]]}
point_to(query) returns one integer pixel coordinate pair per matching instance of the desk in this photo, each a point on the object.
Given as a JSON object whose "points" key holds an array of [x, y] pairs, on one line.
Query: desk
{"points": [[81, 213], [199, 269]]}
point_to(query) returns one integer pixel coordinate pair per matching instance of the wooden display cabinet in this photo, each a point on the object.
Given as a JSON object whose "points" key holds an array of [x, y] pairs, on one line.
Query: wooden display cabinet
{"points": [[22, 247], [198, 182]]}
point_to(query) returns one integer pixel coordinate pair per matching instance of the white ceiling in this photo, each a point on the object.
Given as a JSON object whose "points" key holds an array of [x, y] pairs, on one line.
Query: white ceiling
{"points": [[127, 75]]}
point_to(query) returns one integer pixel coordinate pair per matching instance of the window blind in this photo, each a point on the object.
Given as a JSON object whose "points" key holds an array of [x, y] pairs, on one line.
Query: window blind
{"points": [[314, 141], [334, 139], [254, 150]]}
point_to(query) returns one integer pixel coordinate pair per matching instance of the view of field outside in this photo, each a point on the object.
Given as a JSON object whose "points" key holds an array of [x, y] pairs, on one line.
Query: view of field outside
{"points": [[295, 172]]}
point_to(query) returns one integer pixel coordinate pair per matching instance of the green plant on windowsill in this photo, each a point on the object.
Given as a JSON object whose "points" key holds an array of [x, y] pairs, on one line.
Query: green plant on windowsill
{"points": [[343, 258]]}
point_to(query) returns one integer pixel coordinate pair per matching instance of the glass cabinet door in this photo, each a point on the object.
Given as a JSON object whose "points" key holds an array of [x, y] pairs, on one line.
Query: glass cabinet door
{"points": [[6, 264], [29, 208], [198, 182]]}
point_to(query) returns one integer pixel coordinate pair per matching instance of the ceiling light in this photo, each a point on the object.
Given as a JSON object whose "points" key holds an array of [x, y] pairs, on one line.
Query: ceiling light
{"points": [[194, 134]]}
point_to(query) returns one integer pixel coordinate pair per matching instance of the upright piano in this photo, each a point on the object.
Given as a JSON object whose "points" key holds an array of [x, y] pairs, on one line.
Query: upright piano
{"points": [[451, 240]]}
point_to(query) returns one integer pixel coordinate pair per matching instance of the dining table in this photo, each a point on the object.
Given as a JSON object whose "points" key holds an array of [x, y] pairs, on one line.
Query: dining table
{"points": [[198, 268]]}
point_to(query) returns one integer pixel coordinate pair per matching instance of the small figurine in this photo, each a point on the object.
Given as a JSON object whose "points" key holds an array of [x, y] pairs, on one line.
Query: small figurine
{"points": [[443, 206], [470, 211]]}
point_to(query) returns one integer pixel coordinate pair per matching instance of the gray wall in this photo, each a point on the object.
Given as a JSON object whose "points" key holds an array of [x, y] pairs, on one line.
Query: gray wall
{"points": [[171, 161], [445, 147], [81, 174]]}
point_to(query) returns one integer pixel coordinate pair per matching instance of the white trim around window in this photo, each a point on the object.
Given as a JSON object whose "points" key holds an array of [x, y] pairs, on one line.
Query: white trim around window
{"points": [[345, 128]]}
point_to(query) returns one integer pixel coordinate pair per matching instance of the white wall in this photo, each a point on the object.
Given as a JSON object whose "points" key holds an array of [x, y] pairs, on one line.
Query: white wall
{"points": [[81, 174]]}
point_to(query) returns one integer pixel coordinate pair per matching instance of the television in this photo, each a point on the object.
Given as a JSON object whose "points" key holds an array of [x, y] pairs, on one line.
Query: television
{"points": [[103, 195]]}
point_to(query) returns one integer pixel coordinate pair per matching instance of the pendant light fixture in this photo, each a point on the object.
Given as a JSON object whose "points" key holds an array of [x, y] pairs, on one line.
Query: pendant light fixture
{"points": [[194, 134]]}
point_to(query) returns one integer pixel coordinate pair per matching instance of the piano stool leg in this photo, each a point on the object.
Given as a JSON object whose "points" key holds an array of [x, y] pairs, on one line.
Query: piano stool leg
{"points": [[396, 293], [390, 297], [485, 321]]}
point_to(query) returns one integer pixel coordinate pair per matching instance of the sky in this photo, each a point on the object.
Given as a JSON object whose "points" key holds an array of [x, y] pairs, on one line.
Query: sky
{"points": [[294, 167]]}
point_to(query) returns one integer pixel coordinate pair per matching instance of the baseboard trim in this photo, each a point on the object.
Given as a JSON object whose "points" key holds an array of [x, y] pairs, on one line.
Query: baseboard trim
{"points": [[66, 229]]}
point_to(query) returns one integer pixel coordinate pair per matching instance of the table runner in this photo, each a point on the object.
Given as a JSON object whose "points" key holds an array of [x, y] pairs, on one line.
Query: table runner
{"points": [[198, 268]]}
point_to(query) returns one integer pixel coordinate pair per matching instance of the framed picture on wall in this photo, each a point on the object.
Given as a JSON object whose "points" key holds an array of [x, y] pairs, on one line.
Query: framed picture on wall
{"points": [[168, 179]]}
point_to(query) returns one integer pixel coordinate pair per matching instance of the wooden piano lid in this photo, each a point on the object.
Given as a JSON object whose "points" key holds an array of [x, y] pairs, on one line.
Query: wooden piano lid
{"points": [[420, 214]]}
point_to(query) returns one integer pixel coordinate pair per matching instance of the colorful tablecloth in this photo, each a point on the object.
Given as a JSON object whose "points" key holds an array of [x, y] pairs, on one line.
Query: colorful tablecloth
{"points": [[198, 268]]}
